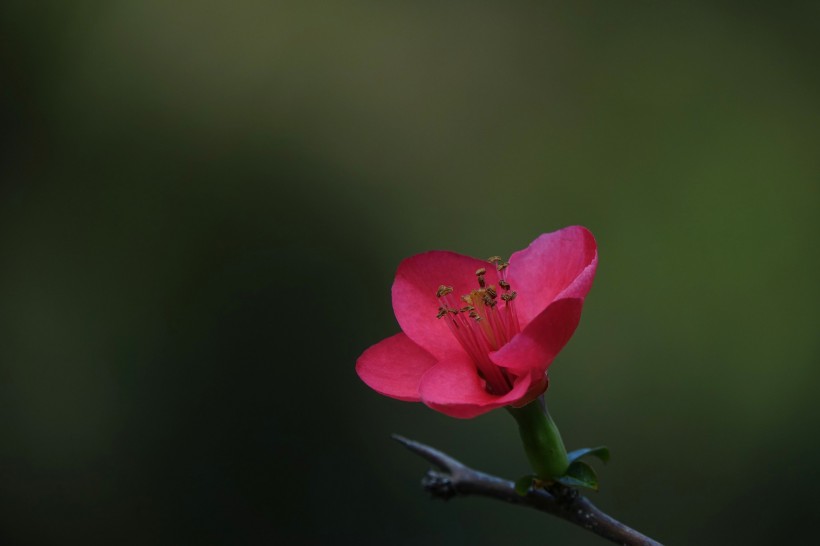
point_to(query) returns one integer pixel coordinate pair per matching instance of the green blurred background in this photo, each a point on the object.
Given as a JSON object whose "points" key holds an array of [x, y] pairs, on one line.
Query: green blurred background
{"points": [[202, 206]]}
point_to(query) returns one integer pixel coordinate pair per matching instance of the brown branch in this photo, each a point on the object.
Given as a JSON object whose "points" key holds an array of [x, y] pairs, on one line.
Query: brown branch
{"points": [[456, 479]]}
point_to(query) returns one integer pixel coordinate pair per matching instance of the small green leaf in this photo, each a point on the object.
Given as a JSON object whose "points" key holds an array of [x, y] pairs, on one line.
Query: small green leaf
{"points": [[580, 474], [523, 484], [601, 452]]}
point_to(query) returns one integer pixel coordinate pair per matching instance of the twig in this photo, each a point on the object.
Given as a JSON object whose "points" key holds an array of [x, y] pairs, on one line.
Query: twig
{"points": [[455, 479]]}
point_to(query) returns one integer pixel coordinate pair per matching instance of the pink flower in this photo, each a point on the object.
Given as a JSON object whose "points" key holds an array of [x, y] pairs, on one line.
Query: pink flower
{"points": [[477, 335]]}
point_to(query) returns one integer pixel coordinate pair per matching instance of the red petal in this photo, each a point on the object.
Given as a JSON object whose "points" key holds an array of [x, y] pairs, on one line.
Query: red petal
{"points": [[454, 388], [394, 367], [414, 296], [534, 349], [556, 265]]}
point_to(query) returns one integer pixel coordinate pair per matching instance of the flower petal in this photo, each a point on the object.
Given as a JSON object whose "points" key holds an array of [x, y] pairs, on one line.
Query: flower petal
{"points": [[555, 265], [454, 388], [394, 367], [414, 296], [534, 348]]}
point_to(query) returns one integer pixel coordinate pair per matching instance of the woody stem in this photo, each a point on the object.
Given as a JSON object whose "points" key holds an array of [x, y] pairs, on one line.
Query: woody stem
{"points": [[456, 479]]}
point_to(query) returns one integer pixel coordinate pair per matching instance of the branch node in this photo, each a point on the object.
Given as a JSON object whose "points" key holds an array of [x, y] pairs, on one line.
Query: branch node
{"points": [[439, 485], [565, 496]]}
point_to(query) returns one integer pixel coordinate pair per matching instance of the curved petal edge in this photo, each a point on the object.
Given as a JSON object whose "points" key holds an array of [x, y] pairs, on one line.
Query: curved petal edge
{"points": [[535, 347], [455, 389], [394, 367], [555, 265]]}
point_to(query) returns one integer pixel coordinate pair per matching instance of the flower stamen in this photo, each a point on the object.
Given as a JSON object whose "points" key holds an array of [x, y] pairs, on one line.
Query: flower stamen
{"points": [[480, 274], [483, 325]]}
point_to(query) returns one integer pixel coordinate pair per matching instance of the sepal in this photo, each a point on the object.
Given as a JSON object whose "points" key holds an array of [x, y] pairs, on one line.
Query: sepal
{"points": [[580, 474], [600, 452]]}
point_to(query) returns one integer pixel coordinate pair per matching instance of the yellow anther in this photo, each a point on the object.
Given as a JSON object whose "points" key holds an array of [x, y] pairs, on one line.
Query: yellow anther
{"points": [[509, 297], [443, 291]]}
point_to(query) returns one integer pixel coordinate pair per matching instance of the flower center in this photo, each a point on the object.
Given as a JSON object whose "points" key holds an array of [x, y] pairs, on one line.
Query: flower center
{"points": [[483, 323]]}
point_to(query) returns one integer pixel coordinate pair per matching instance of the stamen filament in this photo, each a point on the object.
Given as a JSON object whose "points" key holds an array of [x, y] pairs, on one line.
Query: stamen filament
{"points": [[483, 324]]}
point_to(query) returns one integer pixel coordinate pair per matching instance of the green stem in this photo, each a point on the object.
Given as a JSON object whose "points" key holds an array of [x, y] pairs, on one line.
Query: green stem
{"points": [[542, 441]]}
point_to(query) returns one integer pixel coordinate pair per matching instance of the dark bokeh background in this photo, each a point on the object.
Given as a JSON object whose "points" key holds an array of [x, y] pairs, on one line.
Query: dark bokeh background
{"points": [[202, 206]]}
